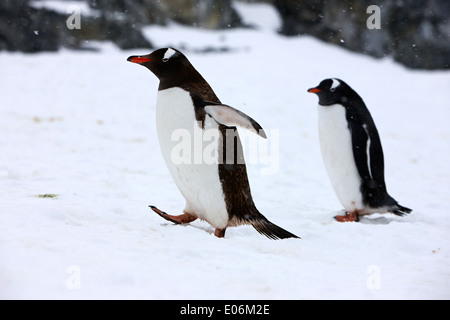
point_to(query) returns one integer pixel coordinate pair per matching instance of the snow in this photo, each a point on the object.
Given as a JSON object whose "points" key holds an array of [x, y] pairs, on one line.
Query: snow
{"points": [[65, 7], [81, 126]]}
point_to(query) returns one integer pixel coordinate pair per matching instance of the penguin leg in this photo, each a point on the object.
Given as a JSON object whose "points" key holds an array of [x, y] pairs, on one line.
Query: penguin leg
{"points": [[181, 219], [348, 217], [220, 233]]}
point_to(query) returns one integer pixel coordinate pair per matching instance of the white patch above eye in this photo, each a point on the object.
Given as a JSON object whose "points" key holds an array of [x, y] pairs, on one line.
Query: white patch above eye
{"points": [[335, 84], [169, 54]]}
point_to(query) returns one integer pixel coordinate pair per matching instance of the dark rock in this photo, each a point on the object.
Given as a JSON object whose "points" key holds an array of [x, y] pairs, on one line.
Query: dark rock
{"points": [[27, 29], [138, 12], [209, 14], [415, 33], [125, 35]]}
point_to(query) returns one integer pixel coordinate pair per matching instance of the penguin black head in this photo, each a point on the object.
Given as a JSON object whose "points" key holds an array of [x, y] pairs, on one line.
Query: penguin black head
{"points": [[165, 63], [333, 91]]}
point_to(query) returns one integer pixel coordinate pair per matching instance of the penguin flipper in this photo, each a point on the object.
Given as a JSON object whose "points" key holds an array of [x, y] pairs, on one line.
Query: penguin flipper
{"points": [[271, 230], [231, 117]]}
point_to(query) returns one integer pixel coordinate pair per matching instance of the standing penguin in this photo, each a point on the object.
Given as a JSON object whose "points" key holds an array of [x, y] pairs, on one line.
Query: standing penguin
{"points": [[352, 152], [217, 192]]}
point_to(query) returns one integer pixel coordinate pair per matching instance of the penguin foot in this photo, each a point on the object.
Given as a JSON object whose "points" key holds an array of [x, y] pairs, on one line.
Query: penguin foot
{"points": [[220, 233], [348, 217], [181, 219]]}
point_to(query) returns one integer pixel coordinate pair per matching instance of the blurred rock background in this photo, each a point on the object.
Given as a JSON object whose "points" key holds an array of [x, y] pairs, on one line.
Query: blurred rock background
{"points": [[416, 33]]}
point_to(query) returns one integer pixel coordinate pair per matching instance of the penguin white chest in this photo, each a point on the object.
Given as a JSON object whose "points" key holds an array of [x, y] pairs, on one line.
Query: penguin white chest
{"points": [[187, 153], [337, 153]]}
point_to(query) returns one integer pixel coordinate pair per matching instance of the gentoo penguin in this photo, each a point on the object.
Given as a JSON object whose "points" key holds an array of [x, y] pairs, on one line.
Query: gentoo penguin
{"points": [[352, 153], [215, 191]]}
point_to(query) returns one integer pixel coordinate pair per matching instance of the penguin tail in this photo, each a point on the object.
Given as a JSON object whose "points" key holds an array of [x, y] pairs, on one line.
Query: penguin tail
{"points": [[400, 210], [270, 230]]}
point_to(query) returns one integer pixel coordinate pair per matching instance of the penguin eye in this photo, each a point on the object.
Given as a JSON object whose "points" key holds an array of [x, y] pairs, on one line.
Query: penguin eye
{"points": [[165, 59], [332, 89]]}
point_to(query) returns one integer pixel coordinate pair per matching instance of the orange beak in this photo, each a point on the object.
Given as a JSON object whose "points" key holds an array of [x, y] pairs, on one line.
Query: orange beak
{"points": [[314, 90], [138, 59]]}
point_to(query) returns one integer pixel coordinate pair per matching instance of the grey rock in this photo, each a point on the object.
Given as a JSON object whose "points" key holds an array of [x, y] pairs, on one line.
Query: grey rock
{"points": [[415, 33]]}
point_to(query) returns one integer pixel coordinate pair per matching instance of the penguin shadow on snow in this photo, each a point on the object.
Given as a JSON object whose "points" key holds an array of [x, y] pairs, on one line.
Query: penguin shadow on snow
{"points": [[374, 219], [207, 229], [199, 225]]}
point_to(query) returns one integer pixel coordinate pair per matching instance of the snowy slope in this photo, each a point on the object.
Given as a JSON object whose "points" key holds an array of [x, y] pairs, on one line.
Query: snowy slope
{"points": [[81, 126]]}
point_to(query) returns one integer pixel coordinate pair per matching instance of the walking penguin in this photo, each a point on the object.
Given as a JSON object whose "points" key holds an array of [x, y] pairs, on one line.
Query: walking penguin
{"points": [[352, 152], [215, 191]]}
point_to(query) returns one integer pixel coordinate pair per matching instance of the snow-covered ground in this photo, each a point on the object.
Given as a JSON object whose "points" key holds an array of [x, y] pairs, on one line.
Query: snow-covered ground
{"points": [[81, 126]]}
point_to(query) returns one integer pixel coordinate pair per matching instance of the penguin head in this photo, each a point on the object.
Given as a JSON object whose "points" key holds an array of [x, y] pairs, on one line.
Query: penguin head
{"points": [[164, 63], [332, 91]]}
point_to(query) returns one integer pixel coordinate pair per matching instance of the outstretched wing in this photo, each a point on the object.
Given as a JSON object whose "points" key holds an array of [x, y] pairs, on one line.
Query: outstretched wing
{"points": [[232, 117]]}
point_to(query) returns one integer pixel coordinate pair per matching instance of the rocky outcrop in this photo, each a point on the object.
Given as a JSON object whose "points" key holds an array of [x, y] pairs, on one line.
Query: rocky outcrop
{"points": [[26, 28], [30, 28], [415, 33], [209, 14], [22, 27]]}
